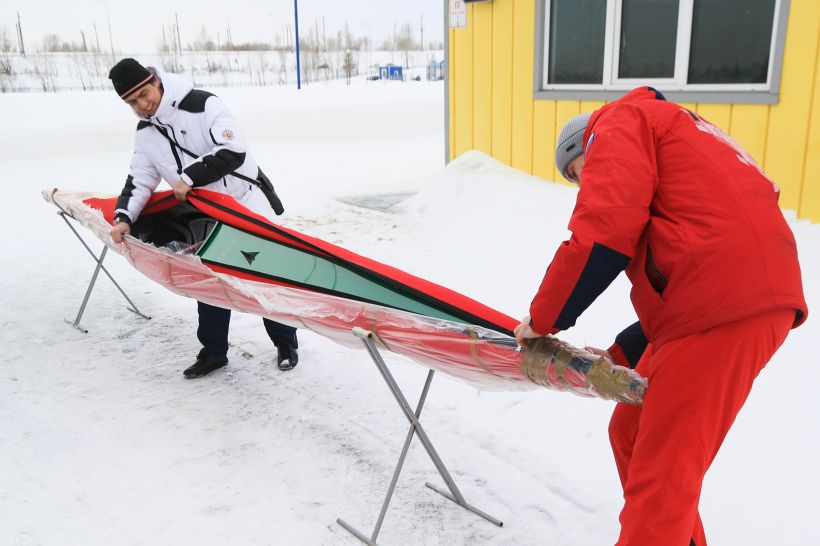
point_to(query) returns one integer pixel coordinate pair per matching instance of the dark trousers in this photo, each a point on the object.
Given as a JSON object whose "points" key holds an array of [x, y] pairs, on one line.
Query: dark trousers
{"points": [[213, 330]]}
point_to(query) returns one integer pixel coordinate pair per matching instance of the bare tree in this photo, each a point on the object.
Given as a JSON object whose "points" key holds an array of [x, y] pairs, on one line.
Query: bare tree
{"points": [[170, 59], [164, 45], [311, 55], [171, 63], [404, 41], [349, 41], [283, 67], [336, 55], [6, 47], [45, 70], [350, 65], [77, 58], [6, 68], [203, 41], [51, 42], [212, 66], [262, 67], [20, 40]]}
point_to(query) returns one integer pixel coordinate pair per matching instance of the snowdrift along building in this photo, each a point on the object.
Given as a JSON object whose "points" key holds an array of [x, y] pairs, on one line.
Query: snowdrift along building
{"points": [[519, 69]]}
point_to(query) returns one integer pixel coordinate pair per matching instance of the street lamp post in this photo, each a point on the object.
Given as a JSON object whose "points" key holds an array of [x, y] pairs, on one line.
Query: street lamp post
{"points": [[110, 36], [298, 62]]}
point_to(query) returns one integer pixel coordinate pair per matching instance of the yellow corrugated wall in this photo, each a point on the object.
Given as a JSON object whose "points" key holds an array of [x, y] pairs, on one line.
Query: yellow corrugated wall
{"points": [[492, 109]]}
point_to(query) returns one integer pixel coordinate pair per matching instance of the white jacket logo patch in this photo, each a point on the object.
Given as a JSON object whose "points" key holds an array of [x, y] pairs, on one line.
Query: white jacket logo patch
{"points": [[227, 134]]}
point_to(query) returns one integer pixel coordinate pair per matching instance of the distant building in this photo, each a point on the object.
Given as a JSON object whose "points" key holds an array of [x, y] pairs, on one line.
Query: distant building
{"points": [[521, 68]]}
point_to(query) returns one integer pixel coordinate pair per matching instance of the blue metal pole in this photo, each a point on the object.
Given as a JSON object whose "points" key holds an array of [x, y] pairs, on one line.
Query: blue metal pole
{"points": [[298, 62]]}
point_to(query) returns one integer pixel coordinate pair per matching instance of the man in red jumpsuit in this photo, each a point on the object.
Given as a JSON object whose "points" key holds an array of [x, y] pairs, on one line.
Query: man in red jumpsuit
{"points": [[671, 199]]}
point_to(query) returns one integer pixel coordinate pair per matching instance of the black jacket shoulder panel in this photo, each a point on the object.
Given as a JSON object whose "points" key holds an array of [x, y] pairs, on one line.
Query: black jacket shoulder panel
{"points": [[143, 124], [194, 101], [658, 94]]}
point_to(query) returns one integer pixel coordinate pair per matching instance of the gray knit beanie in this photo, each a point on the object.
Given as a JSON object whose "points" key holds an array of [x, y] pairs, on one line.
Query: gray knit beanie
{"points": [[570, 142]]}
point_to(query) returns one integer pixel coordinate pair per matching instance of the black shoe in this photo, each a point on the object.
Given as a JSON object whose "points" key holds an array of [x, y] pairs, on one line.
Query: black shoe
{"points": [[286, 358], [204, 365]]}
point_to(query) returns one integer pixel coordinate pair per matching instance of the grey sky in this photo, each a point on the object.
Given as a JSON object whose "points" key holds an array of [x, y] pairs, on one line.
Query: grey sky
{"points": [[137, 24]]}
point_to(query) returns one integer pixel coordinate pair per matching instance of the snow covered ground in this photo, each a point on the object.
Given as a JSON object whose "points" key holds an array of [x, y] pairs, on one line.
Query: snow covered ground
{"points": [[103, 442]]}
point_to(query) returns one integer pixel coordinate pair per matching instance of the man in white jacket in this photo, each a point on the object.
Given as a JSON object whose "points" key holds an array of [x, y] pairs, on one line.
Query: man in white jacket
{"points": [[188, 138]]}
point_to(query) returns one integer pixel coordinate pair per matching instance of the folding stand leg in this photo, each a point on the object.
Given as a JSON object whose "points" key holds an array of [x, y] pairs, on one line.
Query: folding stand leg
{"points": [[99, 262], [415, 428]]}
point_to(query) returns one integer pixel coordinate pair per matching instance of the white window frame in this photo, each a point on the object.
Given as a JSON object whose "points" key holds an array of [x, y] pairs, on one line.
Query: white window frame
{"points": [[677, 86]]}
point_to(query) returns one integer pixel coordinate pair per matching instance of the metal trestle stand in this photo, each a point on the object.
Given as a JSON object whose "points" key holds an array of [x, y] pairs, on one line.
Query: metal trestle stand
{"points": [[416, 429], [99, 261]]}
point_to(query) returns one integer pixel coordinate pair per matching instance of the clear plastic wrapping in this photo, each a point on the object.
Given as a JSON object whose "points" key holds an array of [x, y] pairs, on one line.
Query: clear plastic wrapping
{"points": [[483, 358]]}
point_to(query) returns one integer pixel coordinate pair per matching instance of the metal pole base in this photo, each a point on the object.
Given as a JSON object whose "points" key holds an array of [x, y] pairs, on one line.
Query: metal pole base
{"points": [[76, 323], [100, 267], [415, 430], [77, 326], [467, 506], [353, 531]]}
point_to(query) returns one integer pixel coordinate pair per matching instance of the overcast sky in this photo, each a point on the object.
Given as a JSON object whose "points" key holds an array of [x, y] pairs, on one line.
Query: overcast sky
{"points": [[137, 24]]}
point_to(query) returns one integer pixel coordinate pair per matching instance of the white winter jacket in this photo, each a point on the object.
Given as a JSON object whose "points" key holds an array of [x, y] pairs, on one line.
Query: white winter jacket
{"points": [[200, 123]]}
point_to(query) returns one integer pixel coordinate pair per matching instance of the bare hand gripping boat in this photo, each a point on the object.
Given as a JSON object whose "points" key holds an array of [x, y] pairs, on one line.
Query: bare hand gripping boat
{"points": [[215, 250]]}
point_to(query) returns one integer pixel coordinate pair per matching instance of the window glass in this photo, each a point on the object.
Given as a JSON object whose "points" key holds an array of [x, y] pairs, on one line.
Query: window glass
{"points": [[649, 30], [730, 41], [576, 41]]}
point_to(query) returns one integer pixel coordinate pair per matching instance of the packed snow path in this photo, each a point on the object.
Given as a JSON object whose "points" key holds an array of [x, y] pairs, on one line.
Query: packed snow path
{"points": [[103, 442]]}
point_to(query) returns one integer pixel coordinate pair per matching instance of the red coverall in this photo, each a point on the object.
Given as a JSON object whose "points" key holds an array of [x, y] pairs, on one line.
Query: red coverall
{"points": [[716, 285]]}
